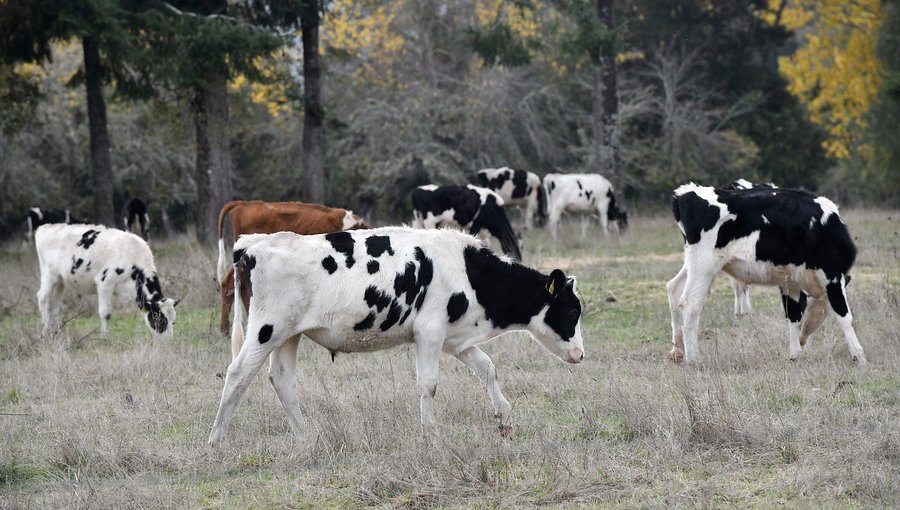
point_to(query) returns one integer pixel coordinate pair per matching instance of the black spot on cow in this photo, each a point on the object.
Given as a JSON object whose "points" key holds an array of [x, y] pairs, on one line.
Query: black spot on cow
{"points": [[587, 194], [793, 310], [103, 275], [406, 315], [342, 242], [579, 184], [246, 264], [372, 267], [119, 270], [366, 323], [457, 306], [392, 317], [703, 215], [405, 283], [376, 298], [376, 245], [236, 256], [155, 317], [496, 182], [76, 263], [837, 299], [420, 299], [88, 238], [329, 264], [520, 184], [265, 333], [552, 186]]}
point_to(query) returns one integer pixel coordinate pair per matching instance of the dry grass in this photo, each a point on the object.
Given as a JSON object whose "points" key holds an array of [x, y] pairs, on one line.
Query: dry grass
{"points": [[122, 422]]}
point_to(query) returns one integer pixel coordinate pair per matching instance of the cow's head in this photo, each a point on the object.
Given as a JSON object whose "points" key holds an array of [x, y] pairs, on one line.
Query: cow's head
{"points": [[560, 332], [622, 221], [160, 317]]}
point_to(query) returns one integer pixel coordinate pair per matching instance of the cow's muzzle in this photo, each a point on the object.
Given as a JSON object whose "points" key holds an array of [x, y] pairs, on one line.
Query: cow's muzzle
{"points": [[575, 355]]}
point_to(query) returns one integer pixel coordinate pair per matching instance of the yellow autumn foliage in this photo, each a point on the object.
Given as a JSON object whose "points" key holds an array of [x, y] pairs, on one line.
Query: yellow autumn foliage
{"points": [[835, 71]]}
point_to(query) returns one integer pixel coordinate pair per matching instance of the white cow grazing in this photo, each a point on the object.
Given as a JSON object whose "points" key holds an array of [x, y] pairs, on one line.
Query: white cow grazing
{"points": [[583, 194], [518, 188], [117, 265], [367, 290]]}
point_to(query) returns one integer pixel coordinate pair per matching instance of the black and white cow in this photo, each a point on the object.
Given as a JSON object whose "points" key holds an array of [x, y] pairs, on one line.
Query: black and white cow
{"points": [[117, 265], [518, 188], [367, 290], [135, 212], [583, 194], [38, 216], [789, 238], [742, 305], [471, 208]]}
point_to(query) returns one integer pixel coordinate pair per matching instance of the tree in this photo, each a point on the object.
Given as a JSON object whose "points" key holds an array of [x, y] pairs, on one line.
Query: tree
{"points": [[102, 26], [607, 134], [313, 111]]}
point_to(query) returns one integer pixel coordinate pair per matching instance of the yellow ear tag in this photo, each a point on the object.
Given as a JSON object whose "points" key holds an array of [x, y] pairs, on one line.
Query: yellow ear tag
{"points": [[551, 287]]}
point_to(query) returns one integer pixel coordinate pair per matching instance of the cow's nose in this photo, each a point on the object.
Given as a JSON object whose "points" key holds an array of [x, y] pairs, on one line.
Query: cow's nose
{"points": [[576, 355]]}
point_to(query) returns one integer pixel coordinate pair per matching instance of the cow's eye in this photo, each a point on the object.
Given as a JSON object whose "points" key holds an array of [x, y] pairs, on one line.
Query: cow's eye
{"points": [[573, 313]]}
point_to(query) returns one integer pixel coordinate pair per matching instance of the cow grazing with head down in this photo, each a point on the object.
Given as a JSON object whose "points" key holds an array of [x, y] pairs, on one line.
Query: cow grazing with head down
{"points": [[518, 188], [258, 217], [117, 265], [136, 212], [362, 291], [583, 194], [789, 238], [38, 216], [471, 208]]}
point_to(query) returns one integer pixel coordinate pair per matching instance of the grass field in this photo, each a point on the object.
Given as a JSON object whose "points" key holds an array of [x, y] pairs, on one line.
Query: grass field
{"points": [[122, 421]]}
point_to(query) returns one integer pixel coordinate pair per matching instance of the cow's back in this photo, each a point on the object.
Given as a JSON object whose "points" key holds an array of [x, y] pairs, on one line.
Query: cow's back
{"points": [[259, 217], [80, 252]]}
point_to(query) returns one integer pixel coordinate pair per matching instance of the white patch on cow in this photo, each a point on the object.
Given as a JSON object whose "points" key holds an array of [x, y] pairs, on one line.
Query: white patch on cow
{"points": [[38, 212], [349, 221], [828, 208], [812, 222], [744, 184], [428, 187], [765, 220], [484, 193]]}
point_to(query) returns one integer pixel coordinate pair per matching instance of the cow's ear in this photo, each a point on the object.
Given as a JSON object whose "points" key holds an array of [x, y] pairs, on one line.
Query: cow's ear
{"points": [[175, 302], [556, 282]]}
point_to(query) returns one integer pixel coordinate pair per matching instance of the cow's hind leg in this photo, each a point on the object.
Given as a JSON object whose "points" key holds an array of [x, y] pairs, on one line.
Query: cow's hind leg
{"points": [[675, 288], [481, 364], [837, 298], [793, 311], [50, 301], [428, 353], [104, 306], [260, 342], [283, 376]]}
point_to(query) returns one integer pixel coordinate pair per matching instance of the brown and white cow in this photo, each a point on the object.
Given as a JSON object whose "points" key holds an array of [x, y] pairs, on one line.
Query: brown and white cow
{"points": [[258, 217]]}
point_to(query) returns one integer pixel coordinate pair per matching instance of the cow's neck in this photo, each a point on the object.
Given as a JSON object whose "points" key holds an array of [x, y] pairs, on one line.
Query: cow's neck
{"points": [[146, 286], [510, 293]]}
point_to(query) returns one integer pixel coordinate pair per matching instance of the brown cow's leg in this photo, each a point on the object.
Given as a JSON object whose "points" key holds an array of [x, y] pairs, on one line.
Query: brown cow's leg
{"points": [[227, 294]]}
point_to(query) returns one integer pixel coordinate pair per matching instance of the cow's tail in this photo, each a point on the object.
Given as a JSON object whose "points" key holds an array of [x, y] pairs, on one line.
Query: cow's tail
{"points": [[542, 204], [237, 325], [222, 264], [500, 227]]}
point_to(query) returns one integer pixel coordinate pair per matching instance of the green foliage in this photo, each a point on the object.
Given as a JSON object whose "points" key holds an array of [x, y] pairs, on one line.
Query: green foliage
{"points": [[19, 96], [591, 38]]}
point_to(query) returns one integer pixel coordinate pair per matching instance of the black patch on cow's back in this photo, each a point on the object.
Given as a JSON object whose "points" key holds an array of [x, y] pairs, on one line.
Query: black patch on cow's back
{"points": [[119, 270], [329, 264], [695, 214], [76, 263], [342, 242], [496, 182], [265, 333], [376, 245], [405, 283], [579, 184], [464, 202], [248, 262], [457, 306], [88, 238], [366, 323], [520, 184], [373, 266]]}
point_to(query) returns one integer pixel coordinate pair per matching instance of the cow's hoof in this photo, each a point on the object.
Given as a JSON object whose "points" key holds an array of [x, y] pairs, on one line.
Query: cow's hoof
{"points": [[506, 431], [860, 359], [676, 356], [793, 359]]}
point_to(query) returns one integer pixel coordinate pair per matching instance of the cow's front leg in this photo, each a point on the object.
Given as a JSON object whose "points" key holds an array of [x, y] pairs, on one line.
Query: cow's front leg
{"points": [[481, 364], [696, 290], [104, 307], [675, 288], [793, 311], [283, 376], [428, 353], [837, 298]]}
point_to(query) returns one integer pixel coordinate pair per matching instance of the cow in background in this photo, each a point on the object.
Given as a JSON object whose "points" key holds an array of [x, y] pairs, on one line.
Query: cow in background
{"points": [[789, 238], [365, 291], [518, 188], [135, 212], [583, 194], [117, 265], [38, 216], [258, 217], [471, 208]]}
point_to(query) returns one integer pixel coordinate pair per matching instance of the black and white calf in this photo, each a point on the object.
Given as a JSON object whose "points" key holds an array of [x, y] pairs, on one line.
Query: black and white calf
{"points": [[518, 188], [583, 194], [38, 216], [117, 265], [789, 238], [472, 208], [135, 212], [367, 290]]}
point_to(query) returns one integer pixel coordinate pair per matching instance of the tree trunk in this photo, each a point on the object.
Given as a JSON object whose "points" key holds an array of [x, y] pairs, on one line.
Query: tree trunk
{"points": [[606, 105], [101, 167], [313, 112], [213, 153]]}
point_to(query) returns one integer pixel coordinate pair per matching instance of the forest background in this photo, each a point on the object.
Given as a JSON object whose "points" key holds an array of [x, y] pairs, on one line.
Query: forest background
{"points": [[188, 104]]}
